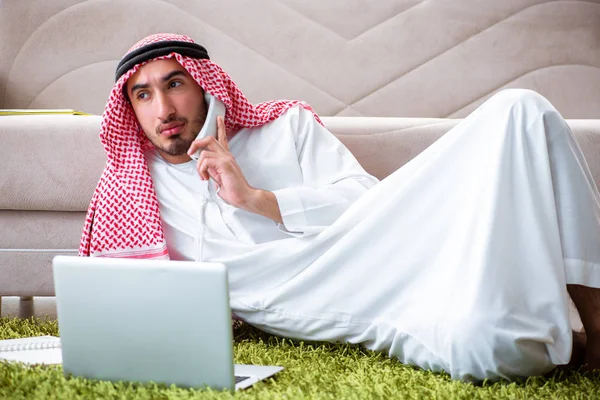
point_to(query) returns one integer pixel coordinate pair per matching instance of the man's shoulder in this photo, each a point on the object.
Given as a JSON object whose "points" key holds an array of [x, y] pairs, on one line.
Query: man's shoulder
{"points": [[295, 111], [296, 122], [290, 118], [299, 118]]}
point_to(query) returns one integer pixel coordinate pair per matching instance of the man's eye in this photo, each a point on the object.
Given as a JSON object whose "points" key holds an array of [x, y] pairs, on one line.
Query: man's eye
{"points": [[142, 96], [174, 84]]}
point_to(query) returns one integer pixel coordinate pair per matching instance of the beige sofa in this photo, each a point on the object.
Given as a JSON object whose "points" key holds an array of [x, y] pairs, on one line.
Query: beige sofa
{"points": [[51, 165], [409, 58]]}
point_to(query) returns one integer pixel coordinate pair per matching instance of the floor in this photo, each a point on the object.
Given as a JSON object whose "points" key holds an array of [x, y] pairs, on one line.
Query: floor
{"points": [[46, 306], [38, 307]]}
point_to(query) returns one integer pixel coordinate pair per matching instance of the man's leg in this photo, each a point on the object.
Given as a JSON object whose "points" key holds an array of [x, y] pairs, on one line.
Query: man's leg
{"points": [[587, 301]]}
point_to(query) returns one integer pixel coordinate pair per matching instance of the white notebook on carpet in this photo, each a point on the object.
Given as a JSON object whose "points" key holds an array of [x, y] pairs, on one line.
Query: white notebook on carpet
{"points": [[32, 350]]}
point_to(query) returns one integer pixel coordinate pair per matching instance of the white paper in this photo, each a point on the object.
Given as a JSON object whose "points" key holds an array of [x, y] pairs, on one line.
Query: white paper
{"points": [[32, 350]]}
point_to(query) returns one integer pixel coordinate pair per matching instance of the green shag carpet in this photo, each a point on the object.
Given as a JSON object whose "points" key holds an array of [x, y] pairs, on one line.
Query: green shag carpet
{"points": [[312, 371]]}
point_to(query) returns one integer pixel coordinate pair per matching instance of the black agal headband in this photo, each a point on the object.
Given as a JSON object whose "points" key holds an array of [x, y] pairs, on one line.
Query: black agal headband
{"points": [[158, 49]]}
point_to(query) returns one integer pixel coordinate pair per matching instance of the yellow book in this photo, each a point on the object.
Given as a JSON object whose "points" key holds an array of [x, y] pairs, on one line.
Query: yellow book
{"points": [[40, 112]]}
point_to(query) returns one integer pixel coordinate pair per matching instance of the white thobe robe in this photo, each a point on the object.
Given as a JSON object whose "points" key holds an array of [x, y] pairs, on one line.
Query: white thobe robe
{"points": [[458, 261]]}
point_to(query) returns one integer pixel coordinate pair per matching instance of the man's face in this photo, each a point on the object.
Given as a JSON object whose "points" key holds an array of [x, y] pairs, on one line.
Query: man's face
{"points": [[169, 106]]}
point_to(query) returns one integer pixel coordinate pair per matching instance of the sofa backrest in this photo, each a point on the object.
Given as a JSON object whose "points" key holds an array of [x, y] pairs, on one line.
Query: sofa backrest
{"points": [[403, 58]]}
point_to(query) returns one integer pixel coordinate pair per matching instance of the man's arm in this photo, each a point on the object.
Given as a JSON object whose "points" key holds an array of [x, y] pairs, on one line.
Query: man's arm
{"points": [[264, 203], [332, 179]]}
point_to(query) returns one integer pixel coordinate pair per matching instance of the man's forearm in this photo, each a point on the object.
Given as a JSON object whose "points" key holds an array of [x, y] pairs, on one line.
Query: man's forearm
{"points": [[263, 203]]}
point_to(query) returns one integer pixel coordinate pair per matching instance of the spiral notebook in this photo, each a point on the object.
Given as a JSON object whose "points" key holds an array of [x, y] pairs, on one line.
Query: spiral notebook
{"points": [[32, 350]]}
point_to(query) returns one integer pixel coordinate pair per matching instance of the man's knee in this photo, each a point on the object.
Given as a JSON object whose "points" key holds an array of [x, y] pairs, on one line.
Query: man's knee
{"points": [[522, 99], [523, 109]]}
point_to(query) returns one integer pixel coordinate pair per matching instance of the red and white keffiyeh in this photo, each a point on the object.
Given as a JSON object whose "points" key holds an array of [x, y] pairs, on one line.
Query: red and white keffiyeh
{"points": [[123, 217]]}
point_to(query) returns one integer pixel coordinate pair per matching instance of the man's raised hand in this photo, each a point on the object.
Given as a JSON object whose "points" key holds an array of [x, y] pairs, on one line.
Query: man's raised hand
{"points": [[217, 162]]}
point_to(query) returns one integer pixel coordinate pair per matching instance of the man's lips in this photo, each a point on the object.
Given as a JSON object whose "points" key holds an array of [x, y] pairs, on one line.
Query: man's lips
{"points": [[171, 129]]}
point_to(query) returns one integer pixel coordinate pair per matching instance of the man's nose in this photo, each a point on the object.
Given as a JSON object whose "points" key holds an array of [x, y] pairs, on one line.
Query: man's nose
{"points": [[164, 107]]}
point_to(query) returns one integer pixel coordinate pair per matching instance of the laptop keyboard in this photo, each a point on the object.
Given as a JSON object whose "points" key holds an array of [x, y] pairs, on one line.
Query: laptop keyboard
{"points": [[238, 379]]}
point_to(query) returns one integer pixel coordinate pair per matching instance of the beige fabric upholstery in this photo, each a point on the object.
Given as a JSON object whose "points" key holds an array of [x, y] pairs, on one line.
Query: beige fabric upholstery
{"points": [[59, 162], [402, 58], [52, 163], [394, 58], [28, 242], [60, 158]]}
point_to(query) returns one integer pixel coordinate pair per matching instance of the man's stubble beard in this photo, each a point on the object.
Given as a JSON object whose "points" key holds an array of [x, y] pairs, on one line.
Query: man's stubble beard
{"points": [[178, 144]]}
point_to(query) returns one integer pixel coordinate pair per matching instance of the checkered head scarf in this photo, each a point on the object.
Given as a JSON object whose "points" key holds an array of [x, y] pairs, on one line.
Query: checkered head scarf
{"points": [[123, 218]]}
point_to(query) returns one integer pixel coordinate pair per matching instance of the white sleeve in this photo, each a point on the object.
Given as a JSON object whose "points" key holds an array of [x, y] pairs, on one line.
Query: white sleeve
{"points": [[332, 180]]}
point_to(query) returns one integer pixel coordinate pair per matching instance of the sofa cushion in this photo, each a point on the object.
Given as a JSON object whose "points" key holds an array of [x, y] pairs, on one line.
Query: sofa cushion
{"points": [[53, 163], [28, 242], [40, 230]]}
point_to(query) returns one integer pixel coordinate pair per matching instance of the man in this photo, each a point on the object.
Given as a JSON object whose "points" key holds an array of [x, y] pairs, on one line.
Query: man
{"points": [[457, 262]]}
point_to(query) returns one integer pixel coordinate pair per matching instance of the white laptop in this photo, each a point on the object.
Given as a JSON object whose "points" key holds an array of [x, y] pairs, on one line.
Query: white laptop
{"points": [[148, 320]]}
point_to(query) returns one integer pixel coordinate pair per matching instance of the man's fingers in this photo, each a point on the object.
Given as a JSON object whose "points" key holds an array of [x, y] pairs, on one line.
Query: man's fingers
{"points": [[218, 144], [207, 168], [202, 166], [217, 178], [205, 143], [222, 132]]}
